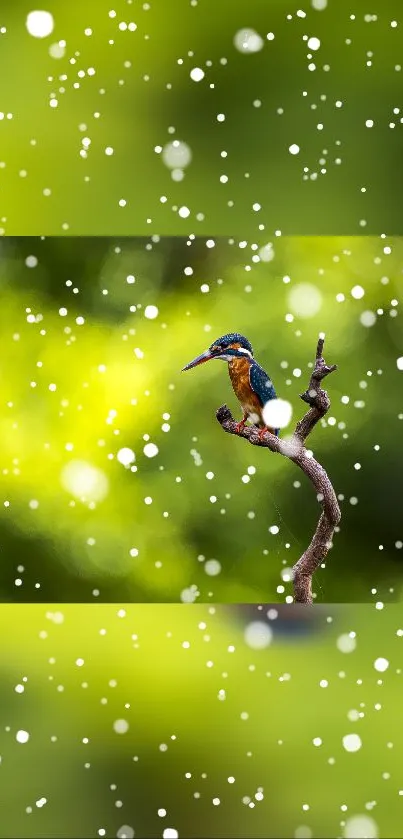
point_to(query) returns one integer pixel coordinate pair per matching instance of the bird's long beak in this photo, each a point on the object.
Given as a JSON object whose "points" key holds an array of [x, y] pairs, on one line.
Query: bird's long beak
{"points": [[200, 359]]}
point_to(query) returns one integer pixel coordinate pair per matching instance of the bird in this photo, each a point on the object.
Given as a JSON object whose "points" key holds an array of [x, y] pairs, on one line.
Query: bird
{"points": [[251, 384]]}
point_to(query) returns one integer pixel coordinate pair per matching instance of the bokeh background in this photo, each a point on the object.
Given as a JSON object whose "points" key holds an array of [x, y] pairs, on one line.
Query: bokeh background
{"points": [[87, 110], [140, 720], [89, 116], [117, 481]]}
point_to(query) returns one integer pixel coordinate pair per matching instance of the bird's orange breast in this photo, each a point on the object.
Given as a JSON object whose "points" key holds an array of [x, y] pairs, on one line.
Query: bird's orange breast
{"points": [[239, 374]]}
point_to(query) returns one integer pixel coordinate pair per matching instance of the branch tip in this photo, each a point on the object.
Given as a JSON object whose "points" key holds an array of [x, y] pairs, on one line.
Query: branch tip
{"points": [[319, 348], [223, 414]]}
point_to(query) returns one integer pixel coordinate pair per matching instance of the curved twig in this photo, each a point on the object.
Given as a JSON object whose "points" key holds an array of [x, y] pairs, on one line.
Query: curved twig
{"points": [[294, 449]]}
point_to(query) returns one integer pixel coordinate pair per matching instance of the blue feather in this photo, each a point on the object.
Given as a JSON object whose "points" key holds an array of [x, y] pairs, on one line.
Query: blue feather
{"points": [[233, 338], [261, 385]]}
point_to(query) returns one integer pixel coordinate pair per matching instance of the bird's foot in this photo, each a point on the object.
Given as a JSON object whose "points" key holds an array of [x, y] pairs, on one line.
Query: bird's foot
{"points": [[240, 426], [262, 431]]}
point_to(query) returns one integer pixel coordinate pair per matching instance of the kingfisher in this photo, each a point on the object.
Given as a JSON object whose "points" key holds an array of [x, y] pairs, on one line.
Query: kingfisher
{"points": [[251, 384]]}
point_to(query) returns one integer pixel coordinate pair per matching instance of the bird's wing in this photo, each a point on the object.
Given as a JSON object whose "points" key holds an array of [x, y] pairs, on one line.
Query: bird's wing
{"points": [[261, 383]]}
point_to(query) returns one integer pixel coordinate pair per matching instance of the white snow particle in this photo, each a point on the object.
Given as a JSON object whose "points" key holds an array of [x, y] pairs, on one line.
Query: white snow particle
{"points": [[188, 595], [212, 567], [125, 832], [176, 175], [304, 300], [352, 742], [248, 41], [277, 413], [258, 635], [39, 24], [121, 726], [126, 456], [293, 149], [357, 292], [151, 312], [368, 318], [176, 155], [267, 253], [57, 50], [83, 480], [22, 736], [150, 450], [197, 74], [345, 643], [381, 664], [360, 827], [31, 261]]}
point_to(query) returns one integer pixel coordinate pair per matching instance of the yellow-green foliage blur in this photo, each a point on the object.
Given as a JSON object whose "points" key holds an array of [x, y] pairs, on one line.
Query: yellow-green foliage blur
{"points": [[172, 718]]}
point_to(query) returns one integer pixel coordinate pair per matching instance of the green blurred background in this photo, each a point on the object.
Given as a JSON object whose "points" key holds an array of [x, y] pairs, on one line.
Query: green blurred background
{"points": [[159, 718], [68, 672], [87, 373], [130, 90], [84, 373]]}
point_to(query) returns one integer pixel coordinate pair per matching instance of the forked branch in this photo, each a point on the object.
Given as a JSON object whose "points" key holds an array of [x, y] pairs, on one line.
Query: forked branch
{"points": [[293, 448]]}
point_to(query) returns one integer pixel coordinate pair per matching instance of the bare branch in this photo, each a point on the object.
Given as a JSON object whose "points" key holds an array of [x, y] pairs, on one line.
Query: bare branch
{"points": [[294, 449]]}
